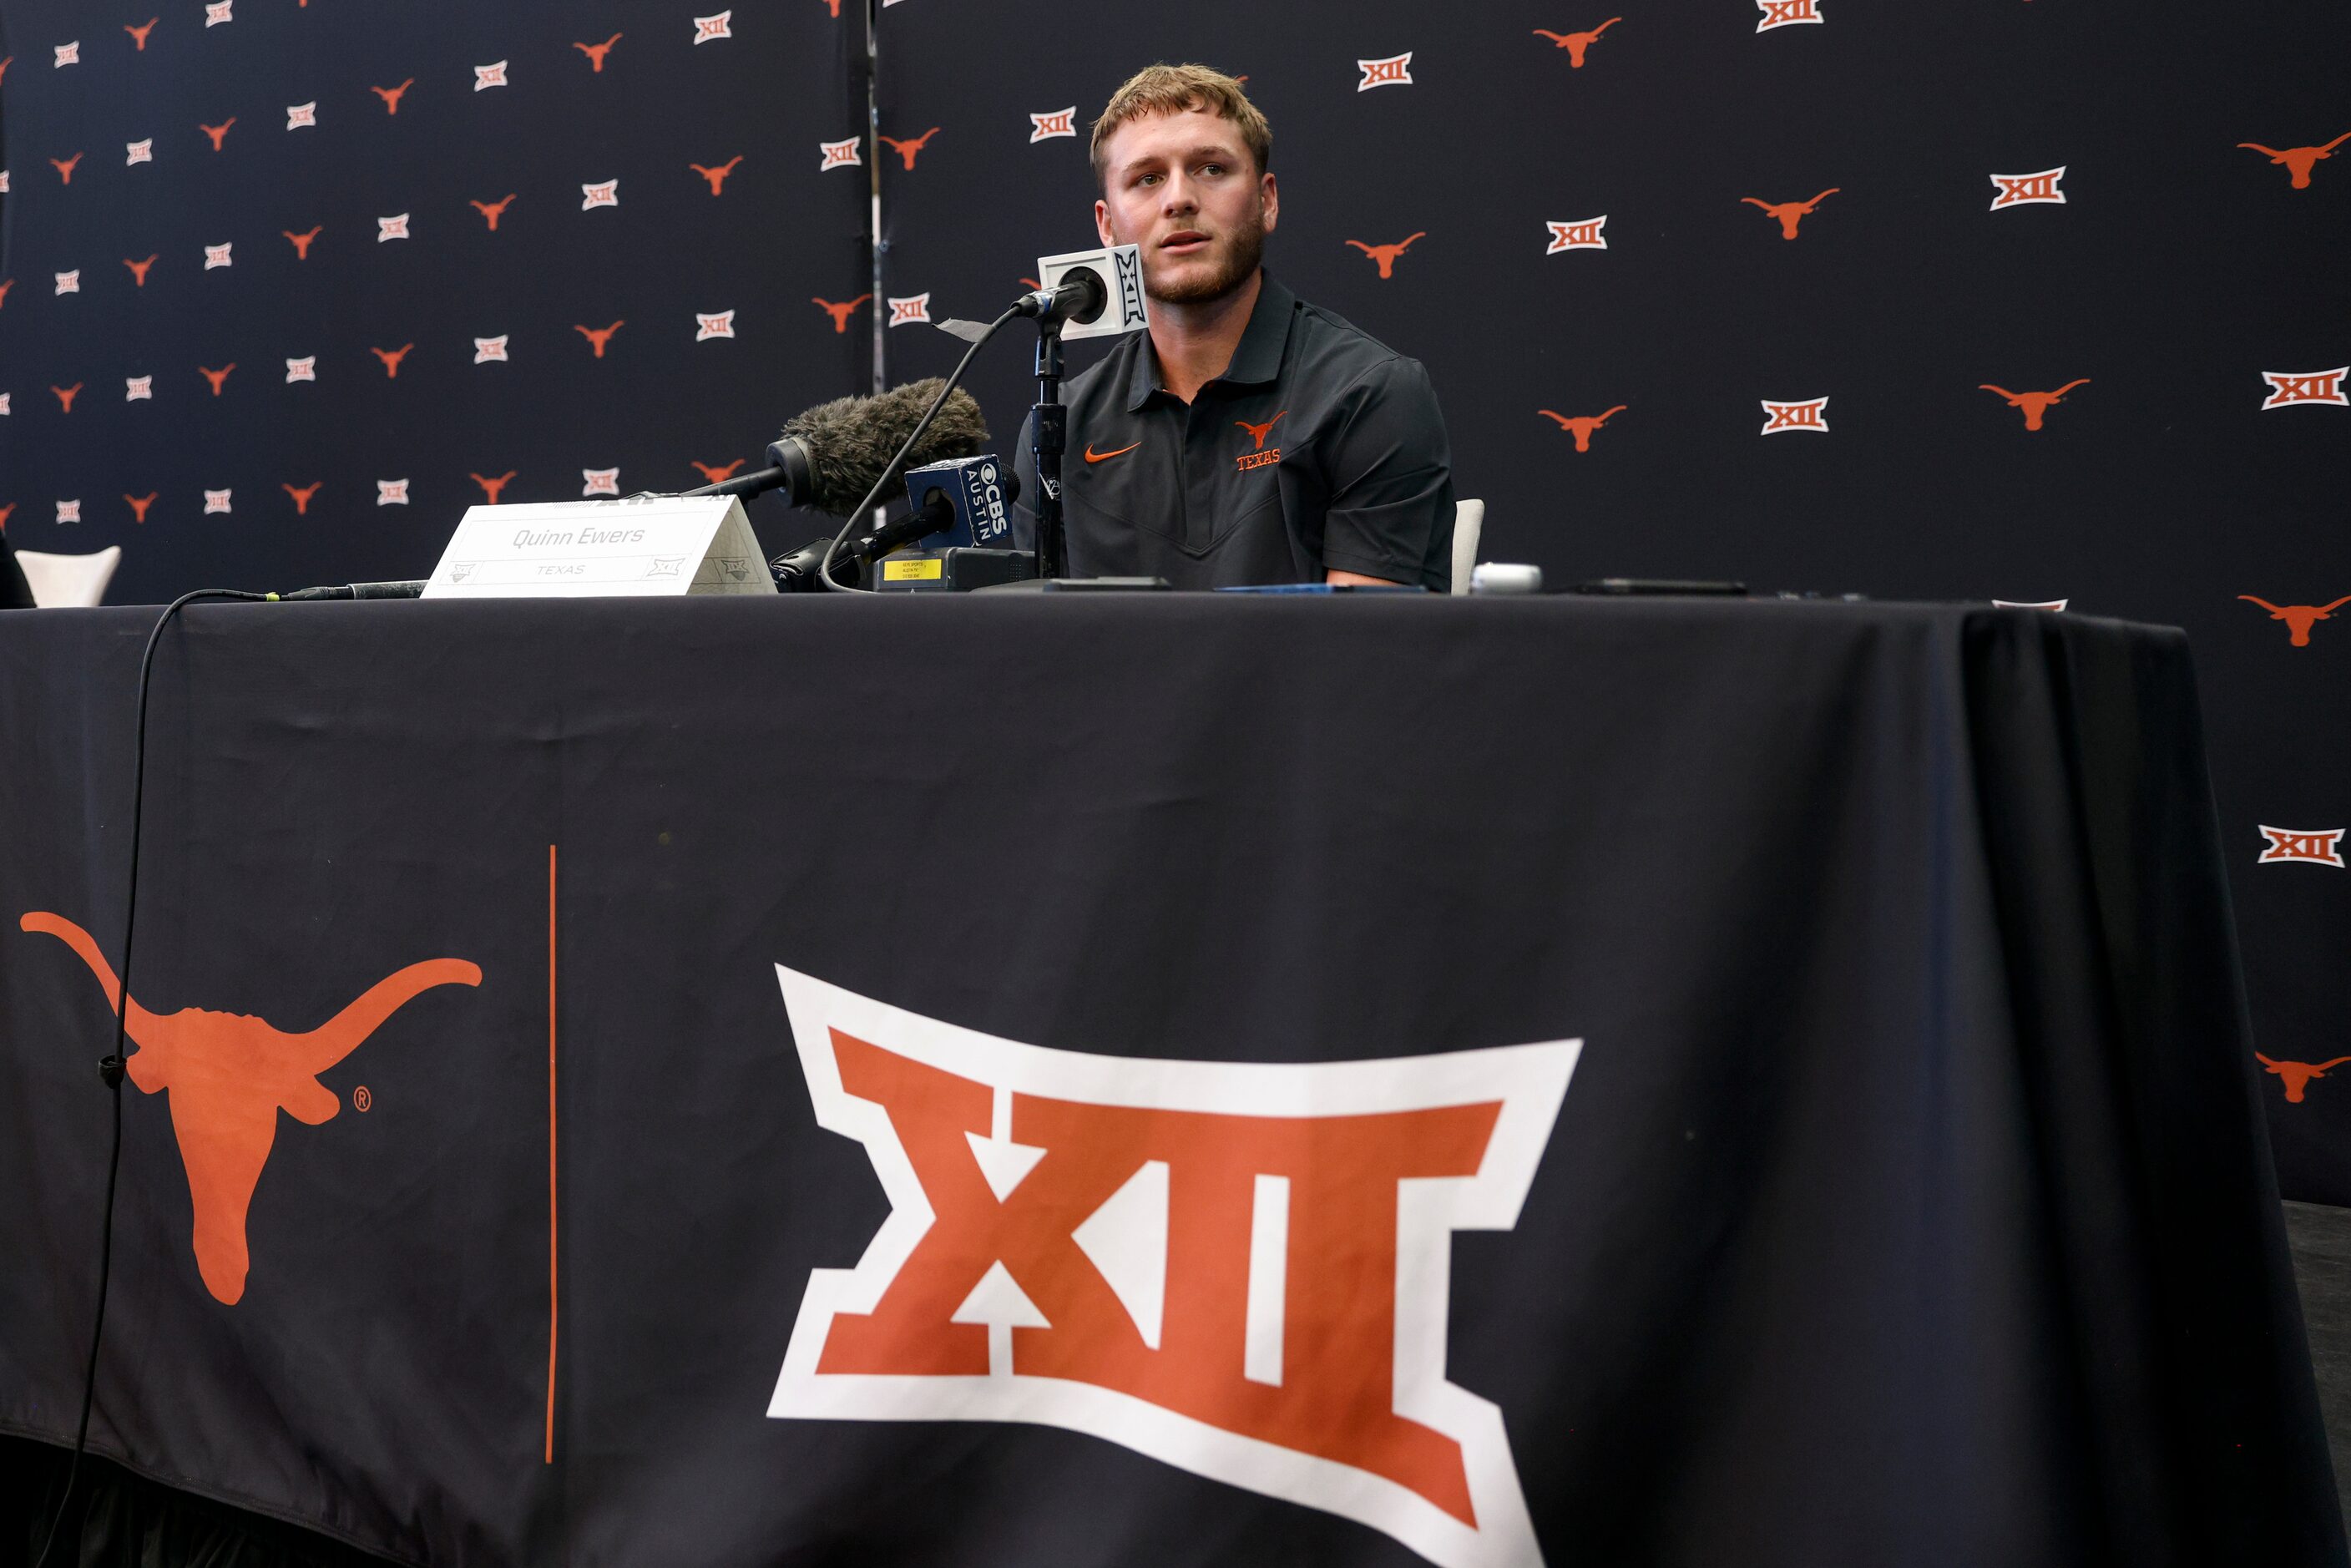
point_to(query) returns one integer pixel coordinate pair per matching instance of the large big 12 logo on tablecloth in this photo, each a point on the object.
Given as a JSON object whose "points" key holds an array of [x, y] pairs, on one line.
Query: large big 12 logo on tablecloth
{"points": [[1239, 1269]]}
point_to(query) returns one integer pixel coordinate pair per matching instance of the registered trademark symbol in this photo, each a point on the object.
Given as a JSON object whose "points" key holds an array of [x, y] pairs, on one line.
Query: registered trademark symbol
{"points": [[361, 1098]]}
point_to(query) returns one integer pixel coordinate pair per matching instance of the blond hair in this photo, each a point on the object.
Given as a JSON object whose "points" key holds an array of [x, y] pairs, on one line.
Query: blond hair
{"points": [[1172, 89]]}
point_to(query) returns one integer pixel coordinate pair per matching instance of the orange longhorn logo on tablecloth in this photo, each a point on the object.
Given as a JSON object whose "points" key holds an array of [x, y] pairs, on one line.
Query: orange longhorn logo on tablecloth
{"points": [[391, 358], [218, 376], [841, 312], [66, 395], [906, 150], [65, 167], [2034, 403], [596, 52], [596, 338], [717, 476], [139, 269], [2299, 618], [1386, 254], [227, 1075], [2298, 1074], [1576, 43], [1791, 214], [491, 488], [139, 504], [302, 496], [390, 95], [219, 133], [1234, 1268], [2299, 160], [717, 177], [493, 211], [1583, 425]]}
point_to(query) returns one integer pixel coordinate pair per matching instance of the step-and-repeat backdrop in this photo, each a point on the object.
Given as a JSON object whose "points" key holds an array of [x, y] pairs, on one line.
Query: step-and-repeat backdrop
{"points": [[289, 284]]}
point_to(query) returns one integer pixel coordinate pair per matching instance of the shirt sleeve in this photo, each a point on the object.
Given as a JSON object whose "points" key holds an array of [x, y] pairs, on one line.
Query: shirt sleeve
{"points": [[1391, 474]]}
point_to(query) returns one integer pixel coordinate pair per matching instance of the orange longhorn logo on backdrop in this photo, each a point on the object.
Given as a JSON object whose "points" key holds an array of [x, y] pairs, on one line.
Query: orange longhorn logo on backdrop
{"points": [[906, 150], [138, 34], [2035, 405], [227, 1076], [597, 339], [717, 476], [65, 167], [66, 395], [219, 133], [841, 312], [596, 52], [1791, 214], [1386, 254], [139, 505], [491, 488], [216, 377], [1237, 1269], [1576, 43], [2299, 160], [493, 210], [302, 496], [2299, 618], [1583, 425], [717, 177], [139, 269], [302, 241], [390, 95], [2298, 1074], [391, 358]]}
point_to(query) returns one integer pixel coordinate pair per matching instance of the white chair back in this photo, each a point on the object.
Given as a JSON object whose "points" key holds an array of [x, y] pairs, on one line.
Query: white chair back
{"points": [[63, 581], [1468, 522]]}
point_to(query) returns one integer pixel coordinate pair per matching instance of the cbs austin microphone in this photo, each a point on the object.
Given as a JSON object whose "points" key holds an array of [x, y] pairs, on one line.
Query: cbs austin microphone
{"points": [[964, 503]]}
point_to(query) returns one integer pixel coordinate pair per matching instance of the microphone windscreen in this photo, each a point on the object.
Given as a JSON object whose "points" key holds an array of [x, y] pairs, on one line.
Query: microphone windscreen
{"points": [[850, 440]]}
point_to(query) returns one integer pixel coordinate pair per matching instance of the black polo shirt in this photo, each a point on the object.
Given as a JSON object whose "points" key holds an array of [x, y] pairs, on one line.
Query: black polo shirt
{"points": [[1318, 447]]}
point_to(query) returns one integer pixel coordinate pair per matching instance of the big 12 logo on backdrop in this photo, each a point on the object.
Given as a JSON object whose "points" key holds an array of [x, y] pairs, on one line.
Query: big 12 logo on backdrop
{"points": [[1239, 1269]]}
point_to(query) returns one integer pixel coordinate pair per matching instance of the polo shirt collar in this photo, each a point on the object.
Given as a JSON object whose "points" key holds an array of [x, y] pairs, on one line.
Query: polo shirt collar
{"points": [[1256, 361]]}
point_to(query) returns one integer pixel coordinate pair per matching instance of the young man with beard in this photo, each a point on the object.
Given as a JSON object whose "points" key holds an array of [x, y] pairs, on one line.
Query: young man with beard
{"points": [[1249, 437]]}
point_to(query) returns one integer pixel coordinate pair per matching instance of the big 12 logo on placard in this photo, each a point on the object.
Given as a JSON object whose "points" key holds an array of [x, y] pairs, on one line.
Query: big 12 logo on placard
{"points": [[1238, 1268]]}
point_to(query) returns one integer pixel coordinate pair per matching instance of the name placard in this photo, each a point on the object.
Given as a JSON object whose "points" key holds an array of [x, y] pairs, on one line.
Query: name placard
{"points": [[573, 550]]}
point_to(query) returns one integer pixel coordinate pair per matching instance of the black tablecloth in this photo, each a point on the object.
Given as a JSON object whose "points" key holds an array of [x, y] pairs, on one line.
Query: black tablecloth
{"points": [[1908, 1201]]}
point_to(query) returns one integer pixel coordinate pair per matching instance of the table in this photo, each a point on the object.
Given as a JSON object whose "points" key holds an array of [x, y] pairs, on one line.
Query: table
{"points": [[1806, 1116]]}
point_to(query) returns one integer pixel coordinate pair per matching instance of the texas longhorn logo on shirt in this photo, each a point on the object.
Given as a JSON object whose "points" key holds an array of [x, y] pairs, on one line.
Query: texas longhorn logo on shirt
{"points": [[227, 1075], [1238, 1268]]}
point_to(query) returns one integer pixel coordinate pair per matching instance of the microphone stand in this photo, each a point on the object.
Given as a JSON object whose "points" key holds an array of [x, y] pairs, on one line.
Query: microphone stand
{"points": [[1050, 440]]}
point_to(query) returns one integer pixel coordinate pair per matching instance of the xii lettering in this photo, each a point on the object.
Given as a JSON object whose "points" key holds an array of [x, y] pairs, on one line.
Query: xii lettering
{"points": [[1239, 1269]]}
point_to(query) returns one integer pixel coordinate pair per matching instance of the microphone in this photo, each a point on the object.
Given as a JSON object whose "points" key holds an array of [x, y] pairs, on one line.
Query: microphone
{"points": [[1079, 295], [965, 498], [353, 591], [831, 456]]}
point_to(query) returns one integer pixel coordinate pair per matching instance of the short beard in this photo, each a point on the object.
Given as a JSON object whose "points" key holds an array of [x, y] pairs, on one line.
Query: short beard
{"points": [[1248, 250]]}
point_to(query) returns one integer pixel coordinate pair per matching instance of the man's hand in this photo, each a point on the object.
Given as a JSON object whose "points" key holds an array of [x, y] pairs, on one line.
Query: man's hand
{"points": [[1355, 579]]}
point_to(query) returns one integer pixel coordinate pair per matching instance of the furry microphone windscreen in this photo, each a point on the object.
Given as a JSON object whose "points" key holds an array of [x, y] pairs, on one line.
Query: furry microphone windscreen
{"points": [[850, 440]]}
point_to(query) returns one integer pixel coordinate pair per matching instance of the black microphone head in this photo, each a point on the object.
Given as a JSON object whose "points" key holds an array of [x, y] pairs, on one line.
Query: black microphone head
{"points": [[850, 440]]}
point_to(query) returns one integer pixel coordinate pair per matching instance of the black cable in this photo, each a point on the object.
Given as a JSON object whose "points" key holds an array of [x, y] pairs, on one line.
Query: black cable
{"points": [[109, 1067], [824, 571]]}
